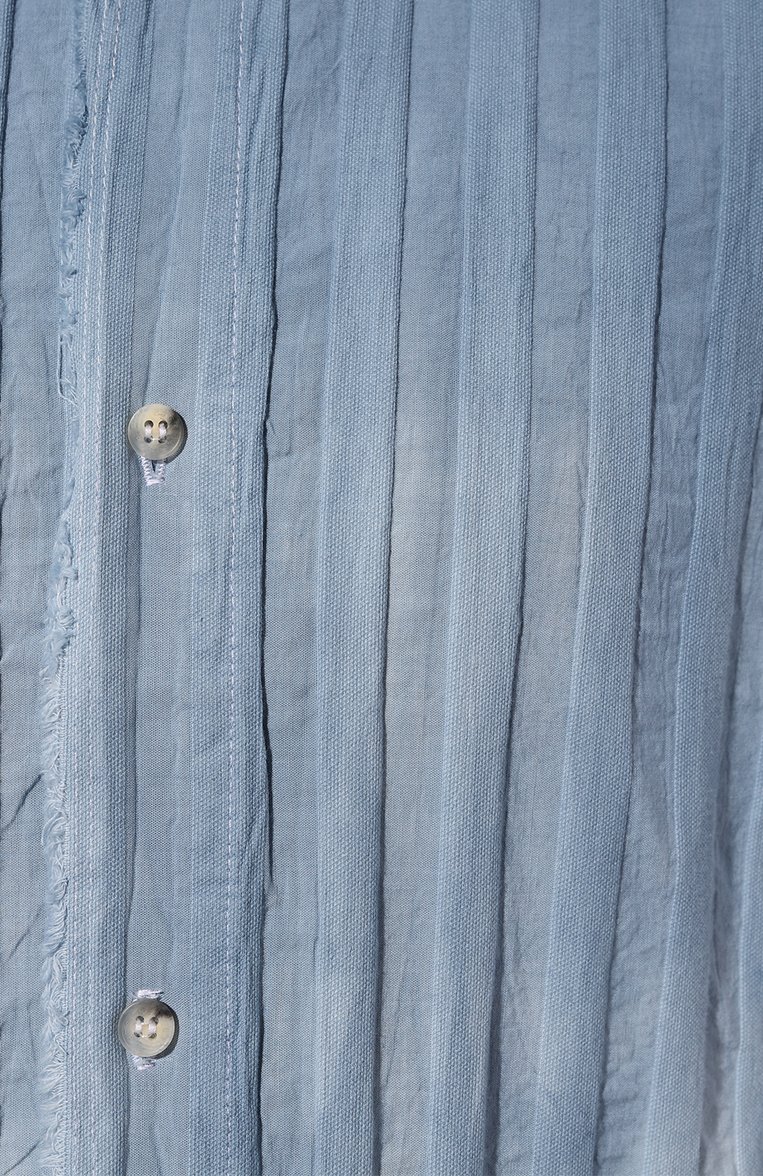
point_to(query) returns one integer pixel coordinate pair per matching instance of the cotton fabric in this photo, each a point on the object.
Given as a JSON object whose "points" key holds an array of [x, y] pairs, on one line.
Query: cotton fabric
{"points": [[409, 737]]}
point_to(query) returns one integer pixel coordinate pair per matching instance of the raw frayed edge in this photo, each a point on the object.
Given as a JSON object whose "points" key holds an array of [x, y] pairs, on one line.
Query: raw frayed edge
{"points": [[72, 205], [59, 628]]}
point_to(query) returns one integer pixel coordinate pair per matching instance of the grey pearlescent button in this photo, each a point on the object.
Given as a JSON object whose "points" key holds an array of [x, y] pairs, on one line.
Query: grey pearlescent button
{"points": [[157, 432], [147, 1028]]}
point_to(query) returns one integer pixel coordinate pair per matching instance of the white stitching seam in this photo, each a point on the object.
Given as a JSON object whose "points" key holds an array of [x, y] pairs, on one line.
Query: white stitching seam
{"points": [[93, 123], [98, 384], [153, 471], [92, 130], [231, 593]]}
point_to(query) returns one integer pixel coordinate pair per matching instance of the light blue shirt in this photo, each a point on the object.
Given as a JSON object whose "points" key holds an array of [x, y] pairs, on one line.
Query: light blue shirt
{"points": [[405, 735]]}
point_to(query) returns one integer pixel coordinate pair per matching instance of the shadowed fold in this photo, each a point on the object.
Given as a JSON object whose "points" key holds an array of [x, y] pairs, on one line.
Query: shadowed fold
{"points": [[229, 786], [485, 610], [628, 231], [731, 406], [357, 458]]}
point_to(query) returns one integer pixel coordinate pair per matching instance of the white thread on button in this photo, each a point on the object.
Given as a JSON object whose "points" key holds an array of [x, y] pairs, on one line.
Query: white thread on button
{"points": [[144, 994], [153, 472]]}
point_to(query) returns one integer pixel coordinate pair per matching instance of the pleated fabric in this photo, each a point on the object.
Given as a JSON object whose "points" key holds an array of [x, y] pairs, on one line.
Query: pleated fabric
{"points": [[748, 1134], [485, 602], [7, 14], [88, 706], [32, 125], [96, 613], [357, 460], [409, 737], [731, 406], [595, 789], [230, 841]]}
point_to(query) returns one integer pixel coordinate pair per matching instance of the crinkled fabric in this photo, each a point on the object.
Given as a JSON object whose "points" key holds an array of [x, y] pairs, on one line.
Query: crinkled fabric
{"points": [[408, 735]]}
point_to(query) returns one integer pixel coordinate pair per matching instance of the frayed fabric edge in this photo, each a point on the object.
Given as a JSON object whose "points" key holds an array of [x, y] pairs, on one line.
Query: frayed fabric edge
{"points": [[59, 629], [72, 205]]}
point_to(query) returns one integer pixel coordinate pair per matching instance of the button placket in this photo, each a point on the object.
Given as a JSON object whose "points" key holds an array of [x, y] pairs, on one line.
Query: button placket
{"points": [[147, 1026]]}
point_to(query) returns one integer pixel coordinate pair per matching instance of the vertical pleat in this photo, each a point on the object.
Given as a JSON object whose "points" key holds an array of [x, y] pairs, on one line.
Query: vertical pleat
{"points": [[229, 789], [629, 196], [89, 701], [7, 14], [748, 1121], [731, 408], [485, 611], [358, 431]]}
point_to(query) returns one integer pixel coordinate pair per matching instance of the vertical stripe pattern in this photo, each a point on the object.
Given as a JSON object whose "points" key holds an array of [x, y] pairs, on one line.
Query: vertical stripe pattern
{"points": [[628, 226], [731, 408], [485, 611], [89, 712], [229, 773], [358, 431]]}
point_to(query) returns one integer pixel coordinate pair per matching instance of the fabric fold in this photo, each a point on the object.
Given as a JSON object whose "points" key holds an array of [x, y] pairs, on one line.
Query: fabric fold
{"points": [[228, 777], [88, 702], [731, 407], [628, 230], [485, 609], [357, 451]]}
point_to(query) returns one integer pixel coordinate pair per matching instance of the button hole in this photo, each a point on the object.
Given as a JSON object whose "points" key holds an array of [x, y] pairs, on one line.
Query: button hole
{"points": [[148, 430], [162, 430]]}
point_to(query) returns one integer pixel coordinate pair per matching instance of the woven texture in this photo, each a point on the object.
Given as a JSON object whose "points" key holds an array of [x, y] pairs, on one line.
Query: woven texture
{"points": [[405, 731]]}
